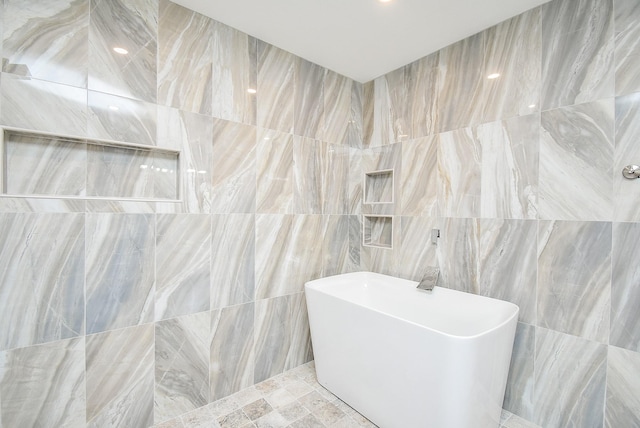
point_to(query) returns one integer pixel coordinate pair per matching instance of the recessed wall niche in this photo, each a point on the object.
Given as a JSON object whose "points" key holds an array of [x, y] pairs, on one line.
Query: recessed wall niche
{"points": [[377, 231], [36, 164], [378, 187]]}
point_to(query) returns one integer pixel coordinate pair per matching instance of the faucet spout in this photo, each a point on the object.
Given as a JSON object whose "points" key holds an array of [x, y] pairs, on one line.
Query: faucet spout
{"points": [[429, 279]]}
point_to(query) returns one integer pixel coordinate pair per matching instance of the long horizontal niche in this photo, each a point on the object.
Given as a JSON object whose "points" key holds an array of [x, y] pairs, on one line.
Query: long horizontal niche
{"points": [[36, 164]]}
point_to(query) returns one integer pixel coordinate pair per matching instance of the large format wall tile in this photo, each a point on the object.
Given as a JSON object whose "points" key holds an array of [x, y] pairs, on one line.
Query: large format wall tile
{"points": [[337, 107], [185, 59], [181, 365], [121, 119], [308, 112], [231, 350], [43, 106], [335, 178], [422, 79], [574, 274], [43, 385], [377, 110], [459, 173], [308, 171], [130, 25], [355, 125], [623, 390], [512, 48], [416, 251], [275, 88], [508, 263], [232, 260], [234, 73], [625, 293], [183, 253], [190, 133], [518, 397], [627, 46], [120, 377], [399, 113], [274, 172], [283, 340], [509, 181], [576, 153], [570, 381], [234, 167], [461, 84], [577, 52], [457, 254], [41, 278], [419, 182], [120, 270], [47, 40], [336, 255], [627, 151]]}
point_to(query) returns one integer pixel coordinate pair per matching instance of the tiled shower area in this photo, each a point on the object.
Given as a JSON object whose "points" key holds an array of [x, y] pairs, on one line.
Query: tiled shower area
{"points": [[158, 221]]}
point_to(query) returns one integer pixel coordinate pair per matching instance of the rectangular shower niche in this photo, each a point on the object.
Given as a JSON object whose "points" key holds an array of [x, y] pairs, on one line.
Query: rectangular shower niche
{"points": [[37, 164], [379, 187], [377, 231]]}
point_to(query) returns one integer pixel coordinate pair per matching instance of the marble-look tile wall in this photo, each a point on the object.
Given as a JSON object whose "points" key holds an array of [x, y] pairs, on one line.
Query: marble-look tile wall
{"points": [[522, 175], [129, 313]]}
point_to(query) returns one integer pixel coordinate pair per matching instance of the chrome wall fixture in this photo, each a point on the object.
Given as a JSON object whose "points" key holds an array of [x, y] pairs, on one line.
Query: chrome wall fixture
{"points": [[631, 172]]}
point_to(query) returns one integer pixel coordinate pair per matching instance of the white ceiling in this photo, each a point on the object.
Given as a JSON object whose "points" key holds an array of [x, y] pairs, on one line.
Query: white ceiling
{"points": [[361, 39]]}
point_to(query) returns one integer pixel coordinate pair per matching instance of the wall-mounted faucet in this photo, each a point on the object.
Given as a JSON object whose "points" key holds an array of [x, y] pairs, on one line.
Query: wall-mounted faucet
{"points": [[429, 279]]}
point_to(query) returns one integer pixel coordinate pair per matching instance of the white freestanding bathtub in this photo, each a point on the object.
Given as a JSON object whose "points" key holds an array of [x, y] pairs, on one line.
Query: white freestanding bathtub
{"points": [[406, 358]]}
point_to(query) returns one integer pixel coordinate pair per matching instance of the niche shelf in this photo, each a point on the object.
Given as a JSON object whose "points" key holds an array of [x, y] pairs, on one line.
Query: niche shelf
{"points": [[379, 187], [43, 165], [377, 231]]}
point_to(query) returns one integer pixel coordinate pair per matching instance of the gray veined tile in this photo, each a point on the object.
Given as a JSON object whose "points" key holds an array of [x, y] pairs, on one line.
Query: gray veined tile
{"points": [[419, 181], [43, 385], [513, 49], [383, 158], [274, 172], [185, 59], [60, 109], [627, 46], [275, 101], [576, 154], [625, 294], [461, 83], [377, 114], [623, 391], [627, 151], [121, 119], [422, 79], [457, 252], [416, 250], [335, 179], [354, 203], [577, 52], [520, 387], [510, 164], [231, 350], [41, 205], [130, 25], [191, 134], [308, 169], [368, 114], [232, 260], [120, 377], [355, 124], [399, 108], [181, 365], [119, 285], [47, 41], [282, 333], [574, 278], [308, 113], [234, 74], [508, 263], [570, 381], [234, 167], [459, 173], [337, 107], [183, 273], [41, 281], [336, 254]]}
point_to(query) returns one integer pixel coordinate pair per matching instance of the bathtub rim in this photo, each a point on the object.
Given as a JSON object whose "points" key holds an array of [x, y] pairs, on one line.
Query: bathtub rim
{"points": [[313, 286]]}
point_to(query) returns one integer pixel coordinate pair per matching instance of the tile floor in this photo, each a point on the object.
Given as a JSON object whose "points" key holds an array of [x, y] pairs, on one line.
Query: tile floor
{"points": [[293, 399]]}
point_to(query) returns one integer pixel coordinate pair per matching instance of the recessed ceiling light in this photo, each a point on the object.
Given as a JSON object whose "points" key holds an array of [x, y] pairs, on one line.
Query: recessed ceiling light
{"points": [[385, 1], [251, 91], [121, 51], [493, 76]]}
